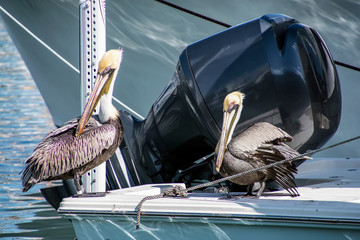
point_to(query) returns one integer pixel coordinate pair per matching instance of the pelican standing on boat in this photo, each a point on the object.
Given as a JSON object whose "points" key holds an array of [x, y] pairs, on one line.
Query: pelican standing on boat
{"points": [[257, 146], [80, 144]]}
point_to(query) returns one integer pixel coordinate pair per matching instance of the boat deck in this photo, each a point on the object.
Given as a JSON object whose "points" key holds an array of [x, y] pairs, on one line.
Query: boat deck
{"points": [[329, 199]]}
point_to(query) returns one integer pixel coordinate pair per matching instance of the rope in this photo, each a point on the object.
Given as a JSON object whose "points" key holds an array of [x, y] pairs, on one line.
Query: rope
{"points": [[139, 206], [172, 192], [180, 191], [229, 26]]}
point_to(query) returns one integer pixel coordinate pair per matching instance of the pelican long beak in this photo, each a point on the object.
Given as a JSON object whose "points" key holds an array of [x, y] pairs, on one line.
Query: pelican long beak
{"points": [[108, 68], [232, 111], [102, 83]]}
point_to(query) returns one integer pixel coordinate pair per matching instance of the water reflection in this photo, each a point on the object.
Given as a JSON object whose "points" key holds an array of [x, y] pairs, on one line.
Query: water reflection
{"points": [[24, 120]]}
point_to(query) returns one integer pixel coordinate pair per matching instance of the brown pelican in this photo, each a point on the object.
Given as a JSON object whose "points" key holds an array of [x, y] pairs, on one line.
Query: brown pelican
{"points": [[259, 145], [80, 145]]}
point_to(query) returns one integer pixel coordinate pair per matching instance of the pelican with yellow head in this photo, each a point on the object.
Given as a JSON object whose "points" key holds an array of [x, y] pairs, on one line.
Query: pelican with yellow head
{"points": [[81, 144], [258, 145]]}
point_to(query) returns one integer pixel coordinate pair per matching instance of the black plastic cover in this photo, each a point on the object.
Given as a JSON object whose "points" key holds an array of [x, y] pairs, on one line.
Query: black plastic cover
{"points": [[283, 67], [285, 70]]}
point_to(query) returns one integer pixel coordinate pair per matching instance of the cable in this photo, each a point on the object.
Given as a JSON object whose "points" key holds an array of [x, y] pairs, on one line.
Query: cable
{"points": [[62, 58], [347, 65], [228, 26], [39, 40], [194, 13]]}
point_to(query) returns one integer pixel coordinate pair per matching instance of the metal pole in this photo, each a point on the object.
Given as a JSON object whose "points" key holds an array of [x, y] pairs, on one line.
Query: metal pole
{"points": [[92, 48]]}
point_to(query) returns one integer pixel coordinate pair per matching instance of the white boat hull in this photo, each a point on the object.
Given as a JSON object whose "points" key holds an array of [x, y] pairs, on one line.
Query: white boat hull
{"points": [[328, 208], [115, 227]]}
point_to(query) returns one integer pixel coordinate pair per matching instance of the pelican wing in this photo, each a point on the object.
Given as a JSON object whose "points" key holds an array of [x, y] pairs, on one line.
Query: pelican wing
{"points": [[253, 137], [262, 144], [283, 174], [60, 152]]}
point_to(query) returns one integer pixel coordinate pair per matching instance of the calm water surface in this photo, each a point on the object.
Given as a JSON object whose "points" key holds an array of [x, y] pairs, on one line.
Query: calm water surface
{"points": [[24, 121]]}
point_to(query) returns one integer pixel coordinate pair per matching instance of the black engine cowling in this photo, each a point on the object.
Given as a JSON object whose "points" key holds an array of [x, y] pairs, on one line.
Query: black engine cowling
{"points": [[283, 67]]}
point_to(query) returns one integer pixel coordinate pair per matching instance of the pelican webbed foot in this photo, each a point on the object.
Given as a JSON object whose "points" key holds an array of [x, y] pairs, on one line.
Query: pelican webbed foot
{"points": [[220, 189], [78, 184], [81, 191], [260, 191]]}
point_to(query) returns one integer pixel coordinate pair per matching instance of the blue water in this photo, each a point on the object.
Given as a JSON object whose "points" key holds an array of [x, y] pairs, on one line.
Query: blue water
{"points": [[24, 120]]}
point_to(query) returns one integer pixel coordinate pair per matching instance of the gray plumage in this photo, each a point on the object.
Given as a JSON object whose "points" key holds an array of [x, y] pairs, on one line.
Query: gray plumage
{"points": [[61, 155], [257, 146]]}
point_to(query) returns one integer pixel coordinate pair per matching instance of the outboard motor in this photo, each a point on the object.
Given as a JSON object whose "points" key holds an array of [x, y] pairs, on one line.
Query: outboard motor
{"points": [[283, 67]]}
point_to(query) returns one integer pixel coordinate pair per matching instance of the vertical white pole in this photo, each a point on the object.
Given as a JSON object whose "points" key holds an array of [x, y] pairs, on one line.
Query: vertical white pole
{"points": [[92, 48]]}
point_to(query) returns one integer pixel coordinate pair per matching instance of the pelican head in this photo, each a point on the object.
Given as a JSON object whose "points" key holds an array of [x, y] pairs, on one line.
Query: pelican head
{"points": [[108, 68], [232, 111]]}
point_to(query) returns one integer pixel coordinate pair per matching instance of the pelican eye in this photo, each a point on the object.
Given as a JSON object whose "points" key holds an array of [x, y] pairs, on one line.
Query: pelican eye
{"points": [[107, 70], [232, 106]]}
